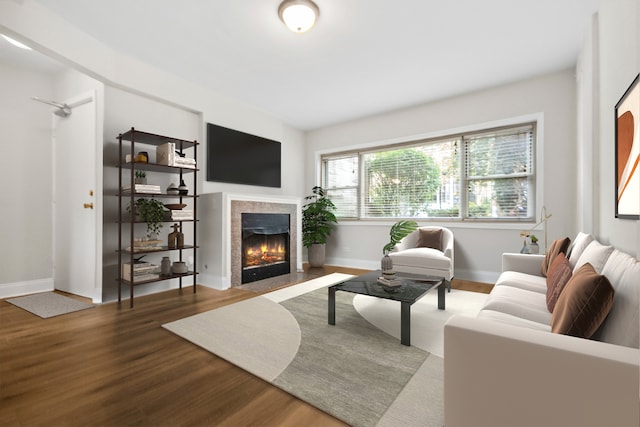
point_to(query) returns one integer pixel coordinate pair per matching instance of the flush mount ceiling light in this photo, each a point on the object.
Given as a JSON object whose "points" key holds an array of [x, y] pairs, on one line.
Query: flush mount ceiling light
{"points": [[15, 42], [298, 15]]}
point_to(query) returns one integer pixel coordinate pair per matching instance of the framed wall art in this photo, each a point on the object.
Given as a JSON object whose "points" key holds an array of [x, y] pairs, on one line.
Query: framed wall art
{"points": [[627, 140]]}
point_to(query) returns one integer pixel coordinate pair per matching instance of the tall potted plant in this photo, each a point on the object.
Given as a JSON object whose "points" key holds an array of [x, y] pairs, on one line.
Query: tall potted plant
{"points": [[318, 220]]}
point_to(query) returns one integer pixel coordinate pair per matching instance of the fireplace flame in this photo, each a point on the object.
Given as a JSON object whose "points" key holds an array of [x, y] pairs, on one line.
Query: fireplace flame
{"points": [[265, 253]]}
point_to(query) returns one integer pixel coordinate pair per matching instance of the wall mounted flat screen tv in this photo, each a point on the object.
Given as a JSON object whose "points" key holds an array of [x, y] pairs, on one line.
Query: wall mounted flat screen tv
{"points": [[240, 158]]}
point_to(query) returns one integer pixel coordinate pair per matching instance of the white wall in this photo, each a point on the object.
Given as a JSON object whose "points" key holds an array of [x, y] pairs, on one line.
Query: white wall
{"points": [[618, 63], [28, 261], [478, 247], [613, 64], [587, 124], [25, 165], [153, 100], [124, 110]]}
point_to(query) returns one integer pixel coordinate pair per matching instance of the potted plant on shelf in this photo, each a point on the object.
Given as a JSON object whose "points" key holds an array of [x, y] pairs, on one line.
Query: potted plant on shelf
{"points": [[140, 177], [150, 211], [318, 220]]}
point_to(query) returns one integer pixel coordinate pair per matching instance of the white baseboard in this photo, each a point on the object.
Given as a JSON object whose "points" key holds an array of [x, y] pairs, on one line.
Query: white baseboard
{"points": [[476, 276], [354, 263], [214, 282], [10, 290]]}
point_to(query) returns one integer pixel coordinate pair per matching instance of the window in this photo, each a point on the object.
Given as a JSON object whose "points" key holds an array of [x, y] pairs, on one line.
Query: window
{"points": [[486, 175]]}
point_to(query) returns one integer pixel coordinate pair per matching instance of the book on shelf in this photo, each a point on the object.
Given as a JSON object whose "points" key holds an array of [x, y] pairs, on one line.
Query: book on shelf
{"points": [[184, 162], [145, 245], [143, 188], [143, 277], [185, 214], [166, 155], [141, 271]]}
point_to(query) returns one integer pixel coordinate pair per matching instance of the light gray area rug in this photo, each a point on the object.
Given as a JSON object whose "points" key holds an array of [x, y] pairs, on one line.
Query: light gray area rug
{"points": [[49, 304], [352, 370]]}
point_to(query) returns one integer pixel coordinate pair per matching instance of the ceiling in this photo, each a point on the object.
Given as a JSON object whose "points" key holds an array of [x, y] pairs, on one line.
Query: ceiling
{"points": [[363, 57]]}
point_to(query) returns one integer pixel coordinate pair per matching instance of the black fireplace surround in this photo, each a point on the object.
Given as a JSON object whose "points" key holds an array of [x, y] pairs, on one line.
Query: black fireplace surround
{"points": [[265, 246]]}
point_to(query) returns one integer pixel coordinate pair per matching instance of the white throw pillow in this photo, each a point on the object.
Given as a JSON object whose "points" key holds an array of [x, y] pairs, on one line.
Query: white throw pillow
{"points": [[578, 246], [595, 254], [622, 325]]}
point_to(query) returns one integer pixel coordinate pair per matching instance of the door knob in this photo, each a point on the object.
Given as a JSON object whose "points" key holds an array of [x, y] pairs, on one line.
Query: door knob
{"points": [[88, 205]]}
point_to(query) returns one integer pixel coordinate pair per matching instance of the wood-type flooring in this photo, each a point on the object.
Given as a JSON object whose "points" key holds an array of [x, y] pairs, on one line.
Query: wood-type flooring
{"points": [[115, 366]]}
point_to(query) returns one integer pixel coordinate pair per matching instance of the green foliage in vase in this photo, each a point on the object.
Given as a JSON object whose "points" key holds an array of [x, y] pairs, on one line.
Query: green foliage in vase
{"points": [[399, 231], [318, 218], [152, 212]]}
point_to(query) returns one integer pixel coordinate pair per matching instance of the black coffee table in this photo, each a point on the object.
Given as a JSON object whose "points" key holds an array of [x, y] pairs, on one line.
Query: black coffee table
{"points": [[413, 287]]}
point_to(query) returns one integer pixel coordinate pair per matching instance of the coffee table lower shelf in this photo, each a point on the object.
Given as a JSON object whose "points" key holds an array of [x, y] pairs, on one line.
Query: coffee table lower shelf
{"points": [[413, 288]]}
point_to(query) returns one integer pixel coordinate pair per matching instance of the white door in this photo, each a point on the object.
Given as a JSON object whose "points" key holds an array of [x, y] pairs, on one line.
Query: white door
{"points": [[75, 202]]}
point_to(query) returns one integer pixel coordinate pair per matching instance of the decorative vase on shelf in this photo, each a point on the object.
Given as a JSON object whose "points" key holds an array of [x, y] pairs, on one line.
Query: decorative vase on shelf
{"points": [[179, 267], [173, 189], [172, 239], [182, 189], [165, 266], [525, 248], [534, 248]]}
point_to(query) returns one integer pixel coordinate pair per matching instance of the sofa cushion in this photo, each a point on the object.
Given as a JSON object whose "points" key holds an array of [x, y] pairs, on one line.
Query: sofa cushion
{"points": [[578, 246], [430, 238], [524, 281], [622, 325], [520, 303], [557, 247], [595, 254], [513, 320], [583, 305], [418, 257], [559, 274]]}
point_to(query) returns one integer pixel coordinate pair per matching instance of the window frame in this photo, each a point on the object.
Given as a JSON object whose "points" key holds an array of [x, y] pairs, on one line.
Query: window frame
{"points": [[534, 178]]}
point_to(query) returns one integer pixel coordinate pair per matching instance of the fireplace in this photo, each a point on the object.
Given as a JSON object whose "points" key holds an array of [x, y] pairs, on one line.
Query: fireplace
{"points": [[265, 245], [221, 236]]}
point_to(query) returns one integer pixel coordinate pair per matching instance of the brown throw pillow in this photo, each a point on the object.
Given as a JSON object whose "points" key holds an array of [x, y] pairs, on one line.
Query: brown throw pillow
{"points": [[430, 238], [559, 275], [583, 305], [558, 246]]}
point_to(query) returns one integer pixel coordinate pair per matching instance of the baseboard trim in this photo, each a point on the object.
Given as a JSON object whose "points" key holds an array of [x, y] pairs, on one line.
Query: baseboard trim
{"points": [[476, 276], [10, 290], [354, 263]]}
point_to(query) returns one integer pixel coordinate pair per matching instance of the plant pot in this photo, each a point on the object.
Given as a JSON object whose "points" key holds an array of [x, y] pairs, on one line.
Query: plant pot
{"points": [[316, 254]]}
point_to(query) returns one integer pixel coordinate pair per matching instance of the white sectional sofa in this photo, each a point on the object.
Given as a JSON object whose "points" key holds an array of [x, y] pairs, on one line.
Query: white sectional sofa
{"points": [[507, 368]]}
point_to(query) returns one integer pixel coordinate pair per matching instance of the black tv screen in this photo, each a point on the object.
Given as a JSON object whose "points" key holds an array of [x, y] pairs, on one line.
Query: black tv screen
{"points": [[240, 158]]}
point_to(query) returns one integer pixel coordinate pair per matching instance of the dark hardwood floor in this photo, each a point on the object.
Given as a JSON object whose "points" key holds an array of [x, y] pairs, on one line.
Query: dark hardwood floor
{"points": [[115, 366]]}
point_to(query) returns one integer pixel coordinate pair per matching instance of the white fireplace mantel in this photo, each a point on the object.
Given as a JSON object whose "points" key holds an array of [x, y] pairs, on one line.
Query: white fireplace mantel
{"points": [[215, 216]]}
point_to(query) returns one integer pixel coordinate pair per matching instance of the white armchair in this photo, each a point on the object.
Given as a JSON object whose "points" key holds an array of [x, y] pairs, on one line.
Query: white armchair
{"points": [[413, 254]]}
